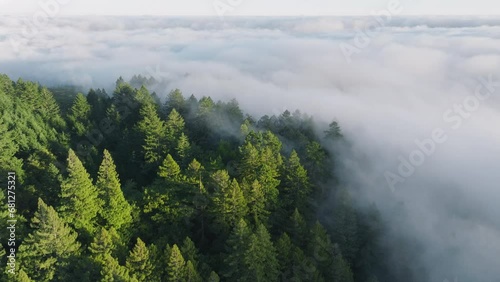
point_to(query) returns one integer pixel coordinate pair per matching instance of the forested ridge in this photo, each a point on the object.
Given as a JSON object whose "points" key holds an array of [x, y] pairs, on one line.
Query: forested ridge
{"points": [[128, 187]]}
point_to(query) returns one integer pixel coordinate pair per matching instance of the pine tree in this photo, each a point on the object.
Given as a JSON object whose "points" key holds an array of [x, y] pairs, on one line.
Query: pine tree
{"points": [[112, 271], [50, 245], [341, 272], [116, 211], [214, 277], [191, 275], [297, 229], [175, 100], [294, 264], [22, 277], [79, 197], [236, 245], [79, 115], [320, 248], [183, 147], [256, 204], [229, 204], [190, 252], [296, 183], [139, 262], [260, 257], [8, 149], [284, 247], [176, 265], [153, 131], [333, 132], [345, 225], [261, 160], [104, 243], [169, 169], [174, 127], [195, 170]]}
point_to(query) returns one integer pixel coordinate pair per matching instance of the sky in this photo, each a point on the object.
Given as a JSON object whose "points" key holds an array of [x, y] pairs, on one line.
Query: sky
{"points": [[251, 7]]}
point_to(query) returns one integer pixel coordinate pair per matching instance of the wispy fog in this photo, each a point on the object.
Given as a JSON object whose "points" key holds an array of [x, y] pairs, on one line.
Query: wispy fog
{"points": [[406, 82]]}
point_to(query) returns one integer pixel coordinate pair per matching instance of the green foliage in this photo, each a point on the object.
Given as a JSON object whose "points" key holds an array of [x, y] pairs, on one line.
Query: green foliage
{"points": [[112, 271], [79, 197], [79, 115], [191, 275], [8, 150], [115, 210], [169, 169], [229, 202], [260, 161], [296, 187], [260, 257], [47, 250], [175, 101], [214, 277], [104, 243], [139, 262], [176, 265], [256, 203], [345, 222], [197, 173], [333, 132], [174, 127], [153, 132], [237, 244]]}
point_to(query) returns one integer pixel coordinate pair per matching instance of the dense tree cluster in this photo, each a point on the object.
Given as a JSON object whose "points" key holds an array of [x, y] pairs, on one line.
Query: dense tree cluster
{"points": [[126, 187]]}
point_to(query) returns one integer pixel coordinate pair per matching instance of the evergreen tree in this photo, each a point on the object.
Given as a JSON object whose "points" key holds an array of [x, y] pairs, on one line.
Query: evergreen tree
{"points": [[176, 265], [22, 277], [79, 197], [345, 223], [116, 211], [183, 147], [298, 229], [294, 265], [114, 272], [190, 252], [236, 245], [174, 127], [8, 150], [256, 204], [169, 169], [48, 248], [79, 115], [333, 132], [296, 183], [104, 243], [139, 262], [214, 277], [195, 170], [341, 272], [175, 100], [260, 257], [320, 248], [261, 160], [153, 131], [229, 205], [191, 275]]}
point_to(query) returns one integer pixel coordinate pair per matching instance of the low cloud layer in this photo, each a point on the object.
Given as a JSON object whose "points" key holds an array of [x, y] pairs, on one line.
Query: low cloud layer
{"points": [[389, 96]]}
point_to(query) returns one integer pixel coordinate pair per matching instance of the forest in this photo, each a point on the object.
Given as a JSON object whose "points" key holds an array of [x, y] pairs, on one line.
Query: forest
{"points": [[128, 186]]}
